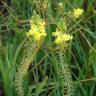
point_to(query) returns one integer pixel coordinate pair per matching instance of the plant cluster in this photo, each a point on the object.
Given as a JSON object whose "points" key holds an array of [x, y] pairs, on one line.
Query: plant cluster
{"points": [[50, 54]]}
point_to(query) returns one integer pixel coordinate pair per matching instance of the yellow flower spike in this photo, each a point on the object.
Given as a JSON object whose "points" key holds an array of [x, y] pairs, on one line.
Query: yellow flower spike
{"points": [[35, 36], [37, 30], [61, 38], [77, 12]]}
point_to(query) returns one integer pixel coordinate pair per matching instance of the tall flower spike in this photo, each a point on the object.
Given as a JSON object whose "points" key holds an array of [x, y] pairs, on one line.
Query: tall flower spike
{"points": [[37, 30], [35, 38], [61, 37], [62, 41], [63, 71]]}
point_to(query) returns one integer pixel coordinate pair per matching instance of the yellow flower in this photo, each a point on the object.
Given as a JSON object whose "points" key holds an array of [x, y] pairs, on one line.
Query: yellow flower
{"points": [[77, 12], [37, 29], [57, 33], [61, 38]]}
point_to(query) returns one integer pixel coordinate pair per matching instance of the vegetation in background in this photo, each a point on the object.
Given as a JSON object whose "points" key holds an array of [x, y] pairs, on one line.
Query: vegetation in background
{"points": [[55, 56]]}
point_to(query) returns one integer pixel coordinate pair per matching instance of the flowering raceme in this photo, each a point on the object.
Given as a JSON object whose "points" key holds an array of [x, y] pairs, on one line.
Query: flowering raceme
{"points": [[61, 37], [62, 40], [77, 12], [37, 30], [34, 41]]}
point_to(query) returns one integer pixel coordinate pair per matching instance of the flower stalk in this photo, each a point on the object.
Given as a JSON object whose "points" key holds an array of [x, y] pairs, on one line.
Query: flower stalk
{"points": [[35, 38], [62, 41]]}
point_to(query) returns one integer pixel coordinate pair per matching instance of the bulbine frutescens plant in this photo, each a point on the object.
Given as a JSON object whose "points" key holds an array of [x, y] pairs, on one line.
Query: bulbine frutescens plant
{"points": [[62, 41], [35, 37], [62, 52]]}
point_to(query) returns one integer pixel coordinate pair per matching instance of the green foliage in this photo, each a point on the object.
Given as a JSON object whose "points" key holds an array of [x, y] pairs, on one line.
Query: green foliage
{"points": [[45, 76]]}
